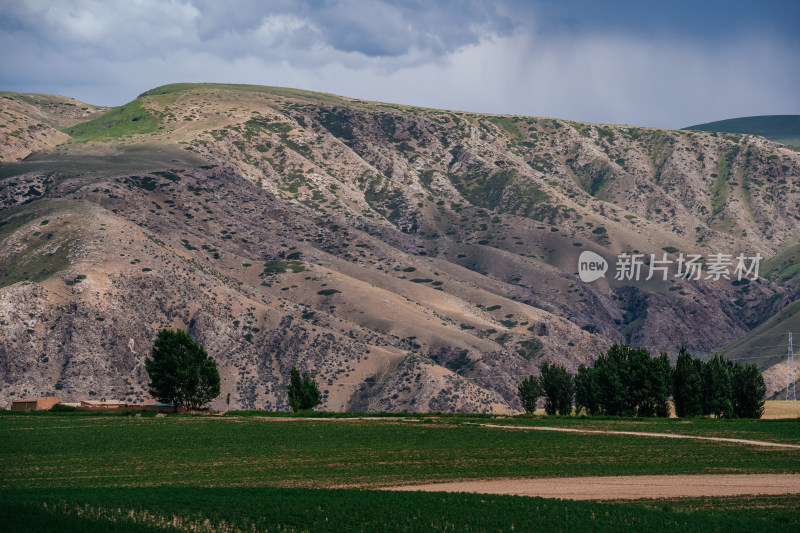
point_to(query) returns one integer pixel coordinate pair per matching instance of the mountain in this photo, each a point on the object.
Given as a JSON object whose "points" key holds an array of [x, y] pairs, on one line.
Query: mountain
{"points": [[407, 258], [779, 128]]}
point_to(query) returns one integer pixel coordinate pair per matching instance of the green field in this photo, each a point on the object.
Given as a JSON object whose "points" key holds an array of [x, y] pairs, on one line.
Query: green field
{"points": [[89, 472], [783, 430], [280, 509]]}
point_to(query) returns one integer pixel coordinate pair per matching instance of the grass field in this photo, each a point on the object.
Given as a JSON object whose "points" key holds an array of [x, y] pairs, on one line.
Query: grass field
{"points": [[777, 409], [280, 509], [127, 120], [142, 473], [775, 430]]}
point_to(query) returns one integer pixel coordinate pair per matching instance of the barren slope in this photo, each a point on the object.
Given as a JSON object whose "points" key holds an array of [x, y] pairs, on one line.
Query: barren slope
{"points": [[407, 258]]}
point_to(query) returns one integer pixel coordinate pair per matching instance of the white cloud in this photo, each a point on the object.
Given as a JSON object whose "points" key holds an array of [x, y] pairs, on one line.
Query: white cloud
{"points": [[276, 28]]}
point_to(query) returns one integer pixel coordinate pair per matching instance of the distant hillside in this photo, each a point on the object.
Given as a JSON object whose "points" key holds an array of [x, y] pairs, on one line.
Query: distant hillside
{"points": [[779, 128], [406, 258]]}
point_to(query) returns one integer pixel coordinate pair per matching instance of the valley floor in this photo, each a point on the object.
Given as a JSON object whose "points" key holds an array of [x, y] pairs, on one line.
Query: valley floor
{"points": [[255, 471]]}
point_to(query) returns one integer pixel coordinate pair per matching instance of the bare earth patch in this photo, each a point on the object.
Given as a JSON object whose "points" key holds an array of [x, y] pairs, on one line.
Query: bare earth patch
{"points": [[624, 487]]}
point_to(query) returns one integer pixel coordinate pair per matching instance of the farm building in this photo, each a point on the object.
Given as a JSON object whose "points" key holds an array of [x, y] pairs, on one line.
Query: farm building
{"points": [[103, 404], [34, 404]]}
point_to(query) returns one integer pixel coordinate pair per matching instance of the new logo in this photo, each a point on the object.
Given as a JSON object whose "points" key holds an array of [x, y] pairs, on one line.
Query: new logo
{"points": [[591, 267]]}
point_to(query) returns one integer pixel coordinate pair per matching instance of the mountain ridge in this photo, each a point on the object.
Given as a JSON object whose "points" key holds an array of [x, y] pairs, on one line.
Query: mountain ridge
{"points": [[408, 258], [784, 129]]}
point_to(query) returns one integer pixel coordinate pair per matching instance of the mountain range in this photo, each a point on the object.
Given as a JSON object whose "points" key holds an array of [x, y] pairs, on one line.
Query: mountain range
{"points": [[406, 258]]}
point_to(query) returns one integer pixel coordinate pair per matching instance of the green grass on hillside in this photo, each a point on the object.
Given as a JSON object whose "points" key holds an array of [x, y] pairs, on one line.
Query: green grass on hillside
{"points": [[779, 128], [38, 263], [175, 88], [508, 124], [317, 97], [783, 267], [766, 345], [129, 119], [718, 194], [42, 253]]}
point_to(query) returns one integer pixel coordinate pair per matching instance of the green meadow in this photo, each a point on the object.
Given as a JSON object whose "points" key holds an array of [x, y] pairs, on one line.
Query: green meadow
{"points": [[86, 472]]}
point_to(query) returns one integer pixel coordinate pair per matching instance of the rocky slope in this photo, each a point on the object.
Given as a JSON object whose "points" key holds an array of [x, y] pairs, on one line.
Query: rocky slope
{"points": [[30, 122], [409, 259]]}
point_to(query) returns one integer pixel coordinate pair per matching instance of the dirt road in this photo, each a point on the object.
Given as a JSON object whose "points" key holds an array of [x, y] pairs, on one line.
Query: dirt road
{"points": [[628, 487], [624, 487], [646, 434]]}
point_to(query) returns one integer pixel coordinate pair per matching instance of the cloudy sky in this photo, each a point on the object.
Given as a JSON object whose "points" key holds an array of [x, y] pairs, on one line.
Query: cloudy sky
{"points": [[668, 64]]}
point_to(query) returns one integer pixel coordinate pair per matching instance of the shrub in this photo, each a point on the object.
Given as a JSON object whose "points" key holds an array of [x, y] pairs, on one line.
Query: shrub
{"points": [[277, 266], [529, 348], [61, 408], [303, 392], [327, 292]]}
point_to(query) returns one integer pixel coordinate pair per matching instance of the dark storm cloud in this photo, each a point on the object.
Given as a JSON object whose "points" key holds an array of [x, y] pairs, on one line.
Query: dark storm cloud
{"points": [[372, 28], [117, 30], [396, 28]]}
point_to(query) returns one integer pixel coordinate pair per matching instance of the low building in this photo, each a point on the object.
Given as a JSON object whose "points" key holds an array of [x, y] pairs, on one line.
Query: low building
{"points": [[34, 404], [103, 404]]}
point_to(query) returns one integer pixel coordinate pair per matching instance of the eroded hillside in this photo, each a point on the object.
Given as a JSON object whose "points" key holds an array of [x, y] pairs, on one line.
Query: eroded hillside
{"points": [[407, 258]]}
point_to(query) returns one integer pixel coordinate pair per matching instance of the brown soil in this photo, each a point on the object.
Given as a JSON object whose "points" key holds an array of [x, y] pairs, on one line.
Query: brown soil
{"points": [[624, 487]]}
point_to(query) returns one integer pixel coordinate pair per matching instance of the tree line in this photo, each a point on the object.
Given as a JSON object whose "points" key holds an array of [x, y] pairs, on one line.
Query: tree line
{"points": [[626, 381]]}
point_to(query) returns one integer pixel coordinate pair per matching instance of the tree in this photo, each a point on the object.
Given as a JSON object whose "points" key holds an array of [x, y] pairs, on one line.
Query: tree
{"points": [[717, 388], [529, 391], [687, 385], [613, 381], [586, 391], [181, 372], [303, 392], [660, 385], [654, 401], [629, 382], [558, 389], [747, 391]]}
